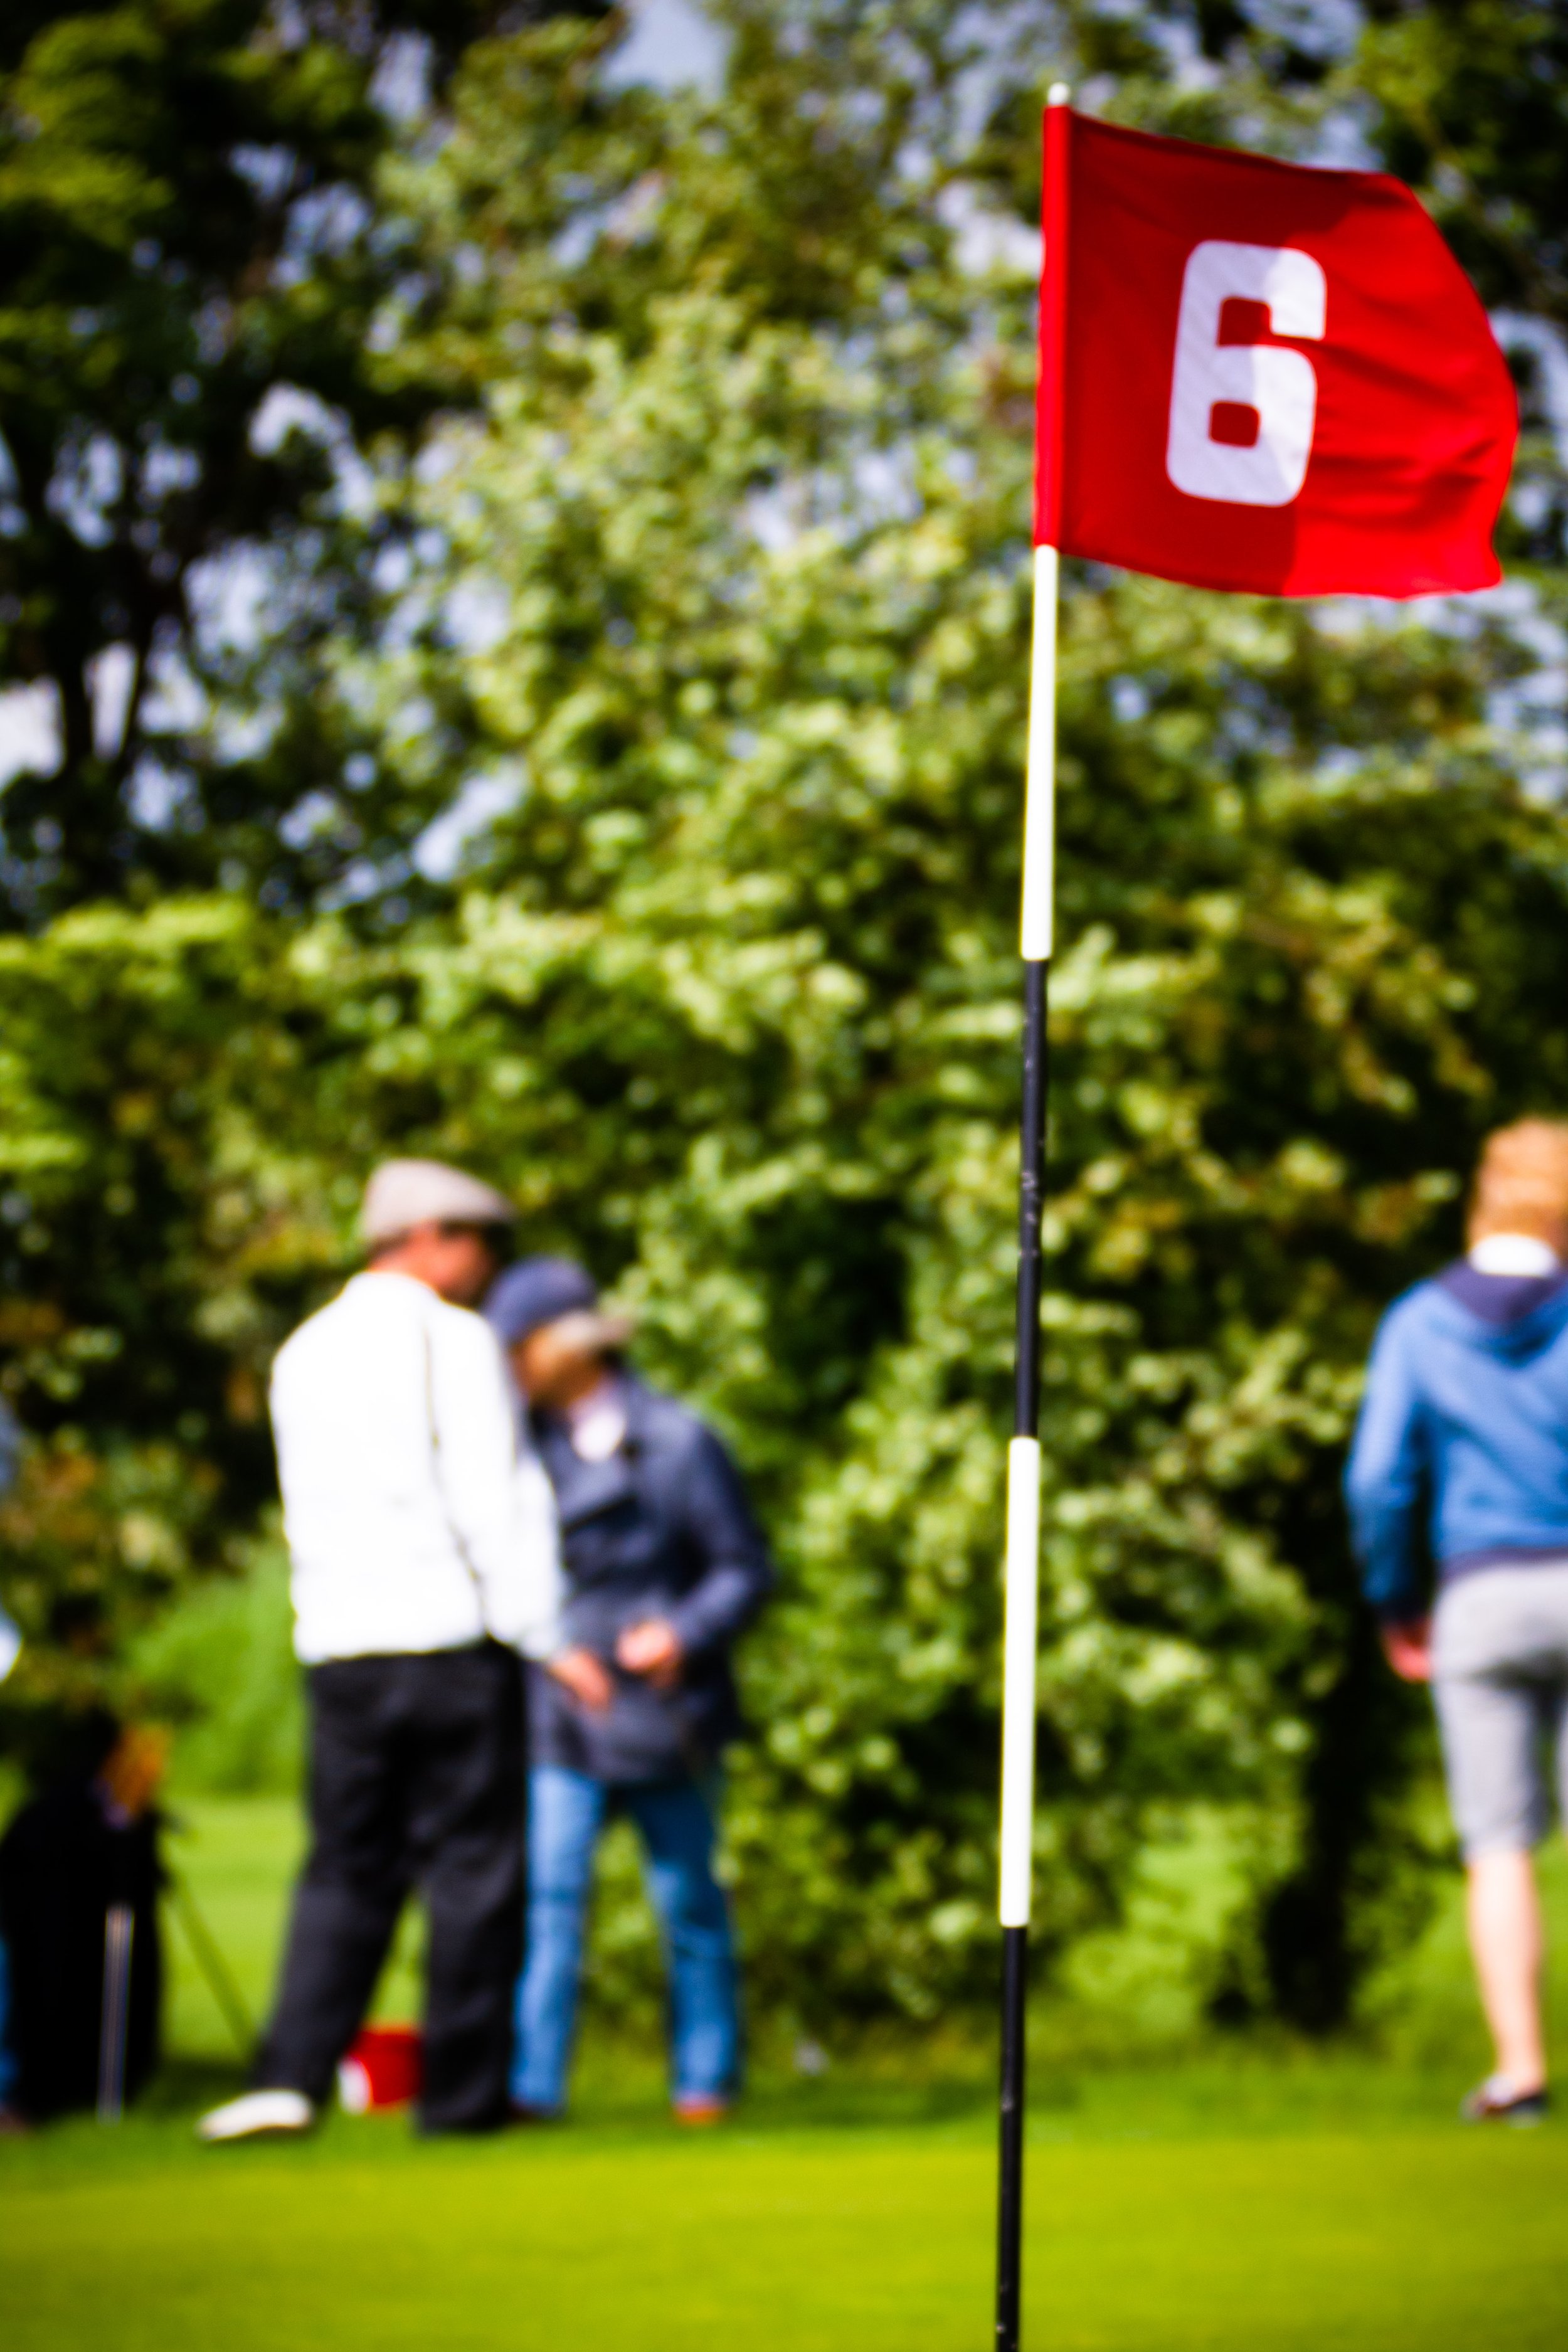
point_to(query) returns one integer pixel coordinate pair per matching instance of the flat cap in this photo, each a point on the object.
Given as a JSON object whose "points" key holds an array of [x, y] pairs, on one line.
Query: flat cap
{"points": [[542, 1290], [403, 1193]]}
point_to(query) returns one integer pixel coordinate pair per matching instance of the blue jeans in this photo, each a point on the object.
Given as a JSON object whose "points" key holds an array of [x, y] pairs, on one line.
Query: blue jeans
{"points": [[677, 1821]]}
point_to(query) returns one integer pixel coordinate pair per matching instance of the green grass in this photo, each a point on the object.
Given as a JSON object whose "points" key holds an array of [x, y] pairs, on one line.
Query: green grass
{"points": [[780, 2234], [237, 1856], [1238, 2197]]}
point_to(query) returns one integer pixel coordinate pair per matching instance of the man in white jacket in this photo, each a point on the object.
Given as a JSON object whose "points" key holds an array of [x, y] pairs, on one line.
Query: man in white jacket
{"points": [[424, 1562]]}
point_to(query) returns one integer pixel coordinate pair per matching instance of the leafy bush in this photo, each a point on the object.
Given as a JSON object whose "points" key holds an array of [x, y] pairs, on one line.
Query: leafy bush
{"points": [[221, 1666]]}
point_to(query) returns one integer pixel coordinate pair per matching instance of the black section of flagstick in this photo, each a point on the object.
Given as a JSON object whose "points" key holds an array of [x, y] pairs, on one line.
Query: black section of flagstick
{"points": [[1010, 2200], [1031, 1195], [1026, 1423]]}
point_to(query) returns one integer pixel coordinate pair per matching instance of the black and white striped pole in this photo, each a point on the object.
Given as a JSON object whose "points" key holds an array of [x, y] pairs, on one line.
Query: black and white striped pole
{"points": [[1022, 1546]]}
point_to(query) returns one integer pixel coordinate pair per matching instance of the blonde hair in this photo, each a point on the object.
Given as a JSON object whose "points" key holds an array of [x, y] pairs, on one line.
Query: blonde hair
{"points": [[1521, 1184]]}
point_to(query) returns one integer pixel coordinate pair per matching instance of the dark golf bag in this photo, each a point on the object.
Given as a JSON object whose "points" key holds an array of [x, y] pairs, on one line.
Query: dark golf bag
{"points": [[65, 1866]]}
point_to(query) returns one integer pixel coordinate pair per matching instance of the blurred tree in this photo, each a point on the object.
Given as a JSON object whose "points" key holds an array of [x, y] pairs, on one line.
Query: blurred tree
{"points": [[1470, 103], [194, 261]]}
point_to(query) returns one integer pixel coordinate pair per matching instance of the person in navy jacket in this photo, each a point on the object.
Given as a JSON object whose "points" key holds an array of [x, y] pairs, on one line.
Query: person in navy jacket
{"points": [[665, 1568], [1461, 1462]]}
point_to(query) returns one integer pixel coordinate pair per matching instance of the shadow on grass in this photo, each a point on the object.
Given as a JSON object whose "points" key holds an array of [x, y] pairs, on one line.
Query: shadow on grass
{"points": [[1221, 2090], [186, 2086]]}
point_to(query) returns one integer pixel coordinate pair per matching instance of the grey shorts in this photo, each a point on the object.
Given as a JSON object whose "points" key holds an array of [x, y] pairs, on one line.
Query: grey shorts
{"points": [[1500, 1676]]}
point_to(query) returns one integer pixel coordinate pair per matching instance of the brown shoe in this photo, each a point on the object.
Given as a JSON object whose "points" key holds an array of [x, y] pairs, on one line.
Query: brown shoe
{"points": [[699, 2113]]}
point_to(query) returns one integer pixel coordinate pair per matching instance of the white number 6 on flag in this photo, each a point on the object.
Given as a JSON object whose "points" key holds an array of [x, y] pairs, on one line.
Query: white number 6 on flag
{"points": [[1262, 459]]}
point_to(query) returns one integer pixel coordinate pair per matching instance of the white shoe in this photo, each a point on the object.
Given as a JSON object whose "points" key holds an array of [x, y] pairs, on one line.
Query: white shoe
{"points": [[259, 2115]]}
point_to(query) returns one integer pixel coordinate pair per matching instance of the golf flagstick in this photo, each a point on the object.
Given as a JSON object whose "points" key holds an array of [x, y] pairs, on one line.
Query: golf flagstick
{"points": [[1377, 465], [1023, 1549]]}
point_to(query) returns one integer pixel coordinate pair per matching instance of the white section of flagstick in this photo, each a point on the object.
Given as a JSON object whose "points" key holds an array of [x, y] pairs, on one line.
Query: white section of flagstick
{"points": [[1023, 1604], [1040, 797]]}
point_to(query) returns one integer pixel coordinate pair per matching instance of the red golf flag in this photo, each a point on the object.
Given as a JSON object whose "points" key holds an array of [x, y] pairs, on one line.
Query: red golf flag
{"points": [[1258, 376]]}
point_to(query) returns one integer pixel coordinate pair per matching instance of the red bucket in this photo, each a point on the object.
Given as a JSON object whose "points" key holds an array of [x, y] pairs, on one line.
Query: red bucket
{"points": [[382, 2070]]}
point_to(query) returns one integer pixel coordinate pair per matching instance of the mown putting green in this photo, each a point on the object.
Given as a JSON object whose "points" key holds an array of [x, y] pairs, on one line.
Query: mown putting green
{"points": [[1244, 2197], [869, 2239]]}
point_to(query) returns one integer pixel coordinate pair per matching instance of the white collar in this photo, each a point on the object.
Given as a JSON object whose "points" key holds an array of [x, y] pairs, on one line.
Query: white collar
{"points": [[1520, 1255], [597, 1422], [375, 1277]]}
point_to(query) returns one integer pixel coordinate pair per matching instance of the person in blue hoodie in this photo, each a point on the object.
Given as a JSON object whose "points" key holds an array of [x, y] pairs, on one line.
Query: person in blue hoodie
{"points": [[1461, 1466]]}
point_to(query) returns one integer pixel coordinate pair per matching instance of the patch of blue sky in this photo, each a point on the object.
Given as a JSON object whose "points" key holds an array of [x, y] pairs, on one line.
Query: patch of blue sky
{"points": [[671, 45], [452, 839], [29, 731], [288, 408]]}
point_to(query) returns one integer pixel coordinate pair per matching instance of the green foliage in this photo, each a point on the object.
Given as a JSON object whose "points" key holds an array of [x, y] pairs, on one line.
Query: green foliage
{"points": [[714, 604], [193, 272], [222, 1666], [1469, 107]]}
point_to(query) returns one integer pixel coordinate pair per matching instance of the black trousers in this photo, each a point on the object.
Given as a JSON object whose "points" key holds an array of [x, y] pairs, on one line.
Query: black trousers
{"points": [[417, 1781]]}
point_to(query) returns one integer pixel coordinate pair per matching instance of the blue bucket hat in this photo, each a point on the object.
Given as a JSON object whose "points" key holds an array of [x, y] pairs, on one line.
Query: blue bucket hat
{"points": [[540, 1290]]}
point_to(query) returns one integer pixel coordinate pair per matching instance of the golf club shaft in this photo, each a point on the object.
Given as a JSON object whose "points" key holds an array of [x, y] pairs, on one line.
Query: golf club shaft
{"points": [[213, 1966], [119, 1929]]}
